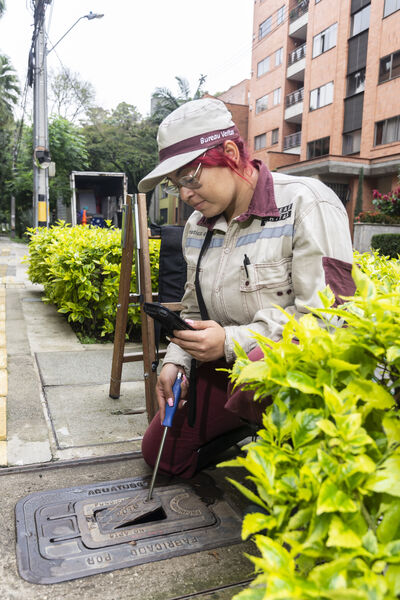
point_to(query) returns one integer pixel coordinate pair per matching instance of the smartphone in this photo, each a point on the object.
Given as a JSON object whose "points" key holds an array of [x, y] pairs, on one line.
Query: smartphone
{"points": [[167, 318]]}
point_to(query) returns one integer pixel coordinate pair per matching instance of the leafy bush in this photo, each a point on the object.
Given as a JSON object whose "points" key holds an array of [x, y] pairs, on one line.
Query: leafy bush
{"points": [[387, 208], [79, 268], [325, 470], [371, 216], [388, 244], [387, 203], [379, 269]]}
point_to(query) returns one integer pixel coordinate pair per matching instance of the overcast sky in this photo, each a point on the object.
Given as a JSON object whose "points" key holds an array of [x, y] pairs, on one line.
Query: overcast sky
{"points": [[138, 45]]}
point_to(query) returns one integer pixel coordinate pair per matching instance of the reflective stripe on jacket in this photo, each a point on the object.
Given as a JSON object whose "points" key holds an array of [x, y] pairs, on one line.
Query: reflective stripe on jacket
{"points": [[282, 254]]}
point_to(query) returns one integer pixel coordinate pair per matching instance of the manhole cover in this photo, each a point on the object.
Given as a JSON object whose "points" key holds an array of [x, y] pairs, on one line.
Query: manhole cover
{"points": [[61, 536]]}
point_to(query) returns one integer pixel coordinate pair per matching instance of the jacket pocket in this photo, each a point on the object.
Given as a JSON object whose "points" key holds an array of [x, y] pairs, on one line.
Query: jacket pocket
{"points": [[265, 284]]}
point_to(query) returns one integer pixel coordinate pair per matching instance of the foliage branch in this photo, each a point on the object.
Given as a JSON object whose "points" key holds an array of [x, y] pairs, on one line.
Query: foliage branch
{"points": [[387, 208], [389, 204], [325, 469]]}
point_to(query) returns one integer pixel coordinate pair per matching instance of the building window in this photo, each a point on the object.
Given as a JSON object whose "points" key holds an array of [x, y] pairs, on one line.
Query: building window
{"points": [[263, 66], [325, 40], [318, 148], [352, 142], [277, 96], [278, 57], [260, 141], [264, 28], [390, 7], [261, 104], [360, 20], [356, 83], [342, 190], [274, 136], [353, 113], [389, 67], [387, 131], [321, 96], [357, 52], [164, 215], [280, 15]]}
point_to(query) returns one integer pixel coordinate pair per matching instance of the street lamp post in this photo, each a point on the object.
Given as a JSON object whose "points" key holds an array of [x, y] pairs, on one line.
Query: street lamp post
{"points": [[41, 154], [90, 16]]}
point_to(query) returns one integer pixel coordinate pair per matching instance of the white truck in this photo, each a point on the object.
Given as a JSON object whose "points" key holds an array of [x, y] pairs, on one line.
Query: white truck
{"points": [[99, 194]]}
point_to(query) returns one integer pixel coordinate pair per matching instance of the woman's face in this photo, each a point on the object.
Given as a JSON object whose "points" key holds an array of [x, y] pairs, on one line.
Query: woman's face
{"points": [[216, 193]]}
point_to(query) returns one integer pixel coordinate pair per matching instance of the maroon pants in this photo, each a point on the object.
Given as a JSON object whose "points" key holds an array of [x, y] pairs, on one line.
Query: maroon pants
{"points": [[217, 411]]}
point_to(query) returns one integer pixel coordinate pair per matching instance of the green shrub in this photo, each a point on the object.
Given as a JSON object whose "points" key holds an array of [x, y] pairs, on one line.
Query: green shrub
{"points": [[388, 244], [373, 216], [325, 470], [79, 268]]}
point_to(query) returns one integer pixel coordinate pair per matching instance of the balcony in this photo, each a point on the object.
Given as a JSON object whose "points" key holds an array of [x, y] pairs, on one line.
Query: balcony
{"points": [[294, 106], [298, 19], [292, 143], [297, 64]]}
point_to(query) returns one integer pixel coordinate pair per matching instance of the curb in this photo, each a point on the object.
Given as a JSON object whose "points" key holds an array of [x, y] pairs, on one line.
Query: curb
{"points": [[3, 375]]}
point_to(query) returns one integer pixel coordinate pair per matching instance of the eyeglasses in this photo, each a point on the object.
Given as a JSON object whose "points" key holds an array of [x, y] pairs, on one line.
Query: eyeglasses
{"points": [[189, 181]]}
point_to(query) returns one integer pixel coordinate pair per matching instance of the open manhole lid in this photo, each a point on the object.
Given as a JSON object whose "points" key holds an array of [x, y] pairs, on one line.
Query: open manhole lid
{"points": [[60, 535]]}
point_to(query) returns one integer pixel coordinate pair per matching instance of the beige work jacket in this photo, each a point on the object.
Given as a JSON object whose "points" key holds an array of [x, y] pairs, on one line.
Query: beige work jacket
{"points": [[292, 242]]}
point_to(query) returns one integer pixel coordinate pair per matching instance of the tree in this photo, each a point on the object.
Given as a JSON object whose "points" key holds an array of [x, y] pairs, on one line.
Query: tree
{"points": [[120, 140], [21, 183], [9, 91], [70, 97], [68, 151], [2, 7], [359, 199], [165, 101], [9, 88]]}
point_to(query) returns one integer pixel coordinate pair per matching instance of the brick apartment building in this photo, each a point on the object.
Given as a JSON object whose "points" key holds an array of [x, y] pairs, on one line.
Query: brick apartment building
{"points": [[324, 93], [323, 99]]}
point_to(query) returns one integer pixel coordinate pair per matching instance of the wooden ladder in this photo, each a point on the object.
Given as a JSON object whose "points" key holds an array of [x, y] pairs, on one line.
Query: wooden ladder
{"points": [[135, 239]]}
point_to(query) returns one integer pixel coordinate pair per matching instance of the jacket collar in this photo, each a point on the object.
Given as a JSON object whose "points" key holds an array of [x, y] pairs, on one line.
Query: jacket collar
{"points": [[262, 203]]}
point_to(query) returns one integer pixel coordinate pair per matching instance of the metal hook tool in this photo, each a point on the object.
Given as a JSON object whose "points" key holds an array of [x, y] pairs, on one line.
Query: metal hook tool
{"points": [[169, 415], [139, 506]]}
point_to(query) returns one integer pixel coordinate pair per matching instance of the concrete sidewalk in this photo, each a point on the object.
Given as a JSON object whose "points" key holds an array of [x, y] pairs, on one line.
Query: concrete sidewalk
{"points": [[59, 428], [58, 406]]}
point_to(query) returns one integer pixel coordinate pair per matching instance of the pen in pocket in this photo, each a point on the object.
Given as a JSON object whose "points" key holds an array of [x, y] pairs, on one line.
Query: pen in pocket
{"points": [[246, 261]]}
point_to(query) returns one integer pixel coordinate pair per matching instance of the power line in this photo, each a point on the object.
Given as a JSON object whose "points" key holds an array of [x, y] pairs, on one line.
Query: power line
{"points": [[67, 75], [254, 43], [50, 17]]}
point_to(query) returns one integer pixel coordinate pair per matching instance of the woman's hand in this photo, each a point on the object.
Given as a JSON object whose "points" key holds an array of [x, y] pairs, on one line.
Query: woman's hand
{"points": [[205, 344], [165, 381]]}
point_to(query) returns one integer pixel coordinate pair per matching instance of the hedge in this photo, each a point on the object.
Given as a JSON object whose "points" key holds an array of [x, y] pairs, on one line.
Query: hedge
{"points": [[388, 244], [79, 268], [324, 473]]}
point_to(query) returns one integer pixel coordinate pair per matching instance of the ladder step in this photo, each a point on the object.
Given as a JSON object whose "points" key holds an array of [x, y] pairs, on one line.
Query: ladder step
{"points": [[136, 356]]}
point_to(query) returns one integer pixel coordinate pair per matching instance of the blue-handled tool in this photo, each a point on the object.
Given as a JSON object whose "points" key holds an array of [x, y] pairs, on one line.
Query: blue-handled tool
{"points": [[137, 507], [167, 422]]}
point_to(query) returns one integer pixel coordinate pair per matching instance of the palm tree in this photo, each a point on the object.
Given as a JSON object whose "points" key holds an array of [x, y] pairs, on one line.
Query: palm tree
{"points": [[9, 88], [164, 101]]}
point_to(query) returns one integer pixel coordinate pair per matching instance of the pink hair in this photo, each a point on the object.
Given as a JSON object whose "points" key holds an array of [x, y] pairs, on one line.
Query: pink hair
{"points": [[216, 157]]}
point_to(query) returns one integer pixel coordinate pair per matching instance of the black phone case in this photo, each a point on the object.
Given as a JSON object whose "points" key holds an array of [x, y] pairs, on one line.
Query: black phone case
{"points": [[167, 318]]}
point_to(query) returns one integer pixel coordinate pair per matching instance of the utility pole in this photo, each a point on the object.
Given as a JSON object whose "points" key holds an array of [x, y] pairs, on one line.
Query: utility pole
{"points": [[41, 154], [37, 76]]}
